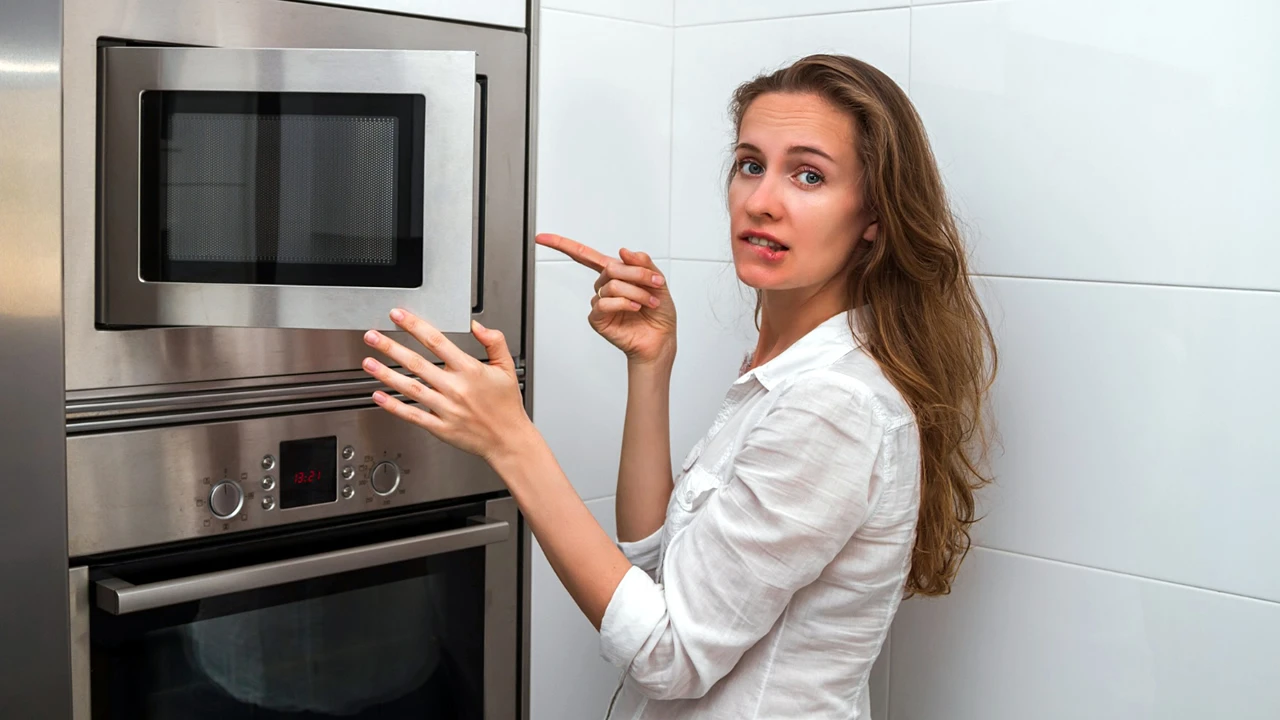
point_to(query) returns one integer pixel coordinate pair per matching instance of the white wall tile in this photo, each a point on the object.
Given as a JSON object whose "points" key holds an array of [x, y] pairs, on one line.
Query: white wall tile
{"points": [[714, 331], [1137, 425], [712, 61], [1109, 139], [1024, 638], [657, 12], [703, 12], [568, 677], [604, 133]]}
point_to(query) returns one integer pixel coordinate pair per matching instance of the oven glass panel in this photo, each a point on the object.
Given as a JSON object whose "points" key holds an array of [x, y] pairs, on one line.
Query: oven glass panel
{"points": [[281, 188], [400, 641]]}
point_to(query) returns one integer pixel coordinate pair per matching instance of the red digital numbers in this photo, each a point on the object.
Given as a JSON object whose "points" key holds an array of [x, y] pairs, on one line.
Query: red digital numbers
{"points": [[306, 477]]}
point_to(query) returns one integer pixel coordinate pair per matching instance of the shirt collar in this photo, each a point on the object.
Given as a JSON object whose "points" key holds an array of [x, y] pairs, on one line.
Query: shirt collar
{"points": [[821, 346]]}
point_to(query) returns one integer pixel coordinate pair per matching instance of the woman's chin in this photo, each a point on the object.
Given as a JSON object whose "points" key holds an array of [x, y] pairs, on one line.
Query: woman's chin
{"points": [[757, 278]]}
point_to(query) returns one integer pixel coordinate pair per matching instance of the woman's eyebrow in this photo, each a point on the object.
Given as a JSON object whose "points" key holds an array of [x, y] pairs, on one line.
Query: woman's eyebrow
{"points": [[793, 150]]}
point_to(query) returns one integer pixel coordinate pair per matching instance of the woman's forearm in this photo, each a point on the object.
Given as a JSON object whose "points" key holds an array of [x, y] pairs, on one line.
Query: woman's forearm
{"points": [[644, 469], [586, 560]]}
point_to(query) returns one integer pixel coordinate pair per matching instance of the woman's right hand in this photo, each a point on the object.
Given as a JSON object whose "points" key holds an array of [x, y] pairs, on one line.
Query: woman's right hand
{"points": [[631, 307]]}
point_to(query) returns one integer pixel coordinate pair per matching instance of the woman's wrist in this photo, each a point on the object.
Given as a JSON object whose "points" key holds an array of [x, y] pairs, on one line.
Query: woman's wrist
{"points": [[516, 450], [659, 365]]}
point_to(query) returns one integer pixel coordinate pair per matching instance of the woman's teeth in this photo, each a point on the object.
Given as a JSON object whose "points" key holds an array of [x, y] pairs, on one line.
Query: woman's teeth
{"points": [[765, 243]]}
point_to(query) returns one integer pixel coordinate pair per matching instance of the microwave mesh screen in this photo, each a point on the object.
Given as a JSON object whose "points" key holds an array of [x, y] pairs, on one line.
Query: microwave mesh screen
{"points": [[306, 189]]}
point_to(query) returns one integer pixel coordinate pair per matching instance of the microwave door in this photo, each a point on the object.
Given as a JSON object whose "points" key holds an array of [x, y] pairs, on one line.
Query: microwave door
{"points": [[286, 188]]}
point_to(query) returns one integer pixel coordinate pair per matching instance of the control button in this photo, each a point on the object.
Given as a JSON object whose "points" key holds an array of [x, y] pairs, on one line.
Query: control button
{"points": [[348, 452], [268, 483], [268, 462], [225, 499], [348, 473], [347, 492], [385, 478], [268, 503]]}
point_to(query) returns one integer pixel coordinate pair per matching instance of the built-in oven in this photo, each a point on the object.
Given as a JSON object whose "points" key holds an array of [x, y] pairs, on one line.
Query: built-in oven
{"points": [[407, 617], [292, 565], [249, 185]]}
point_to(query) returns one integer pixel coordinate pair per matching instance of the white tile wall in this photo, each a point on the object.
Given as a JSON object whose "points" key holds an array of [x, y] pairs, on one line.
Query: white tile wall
{"points": [[657, 12], [604, 133], [1109, 139], [703, 12], [1024, 638], [715, 330], [1137, 425], [568, 677], [712, 60]]}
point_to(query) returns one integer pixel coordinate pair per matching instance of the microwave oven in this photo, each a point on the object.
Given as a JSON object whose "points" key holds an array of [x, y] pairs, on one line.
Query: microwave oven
{"points": [[285, 188], [249, 186]]}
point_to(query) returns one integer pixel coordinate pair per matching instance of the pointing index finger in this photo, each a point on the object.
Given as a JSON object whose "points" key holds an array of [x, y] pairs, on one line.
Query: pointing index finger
{"points": [[577, 251]]}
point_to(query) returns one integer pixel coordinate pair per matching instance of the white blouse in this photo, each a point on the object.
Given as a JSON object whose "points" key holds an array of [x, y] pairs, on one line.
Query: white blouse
{"points": [[770, 588]]}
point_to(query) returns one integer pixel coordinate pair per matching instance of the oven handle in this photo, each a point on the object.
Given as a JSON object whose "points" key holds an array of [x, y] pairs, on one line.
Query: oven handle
{"points": [[120, 597]]}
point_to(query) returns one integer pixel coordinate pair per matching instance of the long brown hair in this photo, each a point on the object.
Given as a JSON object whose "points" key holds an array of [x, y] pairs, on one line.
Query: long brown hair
{"points": [[921, 317]]}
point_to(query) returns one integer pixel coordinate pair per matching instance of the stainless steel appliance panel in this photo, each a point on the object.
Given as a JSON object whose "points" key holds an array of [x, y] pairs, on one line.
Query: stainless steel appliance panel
{"points": [[502, 648], [35, 681], [445, 79], [144, 487], [124, 359]]}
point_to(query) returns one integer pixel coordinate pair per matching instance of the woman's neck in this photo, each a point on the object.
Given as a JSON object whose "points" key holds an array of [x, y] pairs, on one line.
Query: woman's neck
{"points": [[788, 315]]}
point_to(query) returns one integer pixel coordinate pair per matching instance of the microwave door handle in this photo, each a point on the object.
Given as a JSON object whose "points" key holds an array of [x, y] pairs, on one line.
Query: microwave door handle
{"points": [[120, 597]]}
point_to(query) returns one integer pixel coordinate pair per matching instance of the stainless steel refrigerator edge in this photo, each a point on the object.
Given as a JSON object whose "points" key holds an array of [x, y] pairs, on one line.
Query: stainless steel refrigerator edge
{"points": [[34, 650]]}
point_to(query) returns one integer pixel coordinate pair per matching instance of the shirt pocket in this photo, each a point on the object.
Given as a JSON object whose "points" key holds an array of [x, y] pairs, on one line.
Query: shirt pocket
{"points": [[696, 486]]}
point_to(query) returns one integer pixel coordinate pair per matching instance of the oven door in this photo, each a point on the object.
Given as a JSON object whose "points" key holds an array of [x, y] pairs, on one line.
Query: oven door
{"points": [[408, 617], [286, 188]]}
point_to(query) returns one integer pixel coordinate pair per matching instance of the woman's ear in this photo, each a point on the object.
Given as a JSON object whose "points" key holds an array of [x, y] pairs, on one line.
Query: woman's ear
{"points": [[872, 232]]}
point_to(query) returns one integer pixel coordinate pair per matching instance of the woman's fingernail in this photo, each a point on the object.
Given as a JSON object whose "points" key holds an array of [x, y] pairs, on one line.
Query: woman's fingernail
{"points": [[372, 337], [397, 315], [380, 397], [372, 365], [658, 280], [635, 305], [653, 301]]}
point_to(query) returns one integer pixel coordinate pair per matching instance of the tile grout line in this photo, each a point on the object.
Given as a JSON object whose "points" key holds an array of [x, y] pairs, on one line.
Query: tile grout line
{"points": [[583, 13], [1120, 573], [911, 39], [1126, 283], [671, 137], [903, 6]]}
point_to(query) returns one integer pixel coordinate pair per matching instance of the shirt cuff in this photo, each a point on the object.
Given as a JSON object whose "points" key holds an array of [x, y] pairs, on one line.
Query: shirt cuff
{"points": [[634, 611], [644, 553]]}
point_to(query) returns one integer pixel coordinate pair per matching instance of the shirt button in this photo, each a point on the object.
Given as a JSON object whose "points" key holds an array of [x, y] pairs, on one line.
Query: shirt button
{"points": [[688, 496]]}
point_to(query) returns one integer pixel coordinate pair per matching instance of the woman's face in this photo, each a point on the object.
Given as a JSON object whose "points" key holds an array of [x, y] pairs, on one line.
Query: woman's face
{"points": [[795, 200]]}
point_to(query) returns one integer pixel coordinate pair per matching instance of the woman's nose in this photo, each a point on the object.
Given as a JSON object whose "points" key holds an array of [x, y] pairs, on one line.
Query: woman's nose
{"points": [[764, 199]]}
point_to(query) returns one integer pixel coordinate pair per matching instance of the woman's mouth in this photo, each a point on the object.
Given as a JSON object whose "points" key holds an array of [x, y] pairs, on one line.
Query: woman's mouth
{"points": [[766, 247]]}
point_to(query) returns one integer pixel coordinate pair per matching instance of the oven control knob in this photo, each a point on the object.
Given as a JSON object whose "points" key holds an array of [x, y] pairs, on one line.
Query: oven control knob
{"points": [[225, 499], [385, 478]]}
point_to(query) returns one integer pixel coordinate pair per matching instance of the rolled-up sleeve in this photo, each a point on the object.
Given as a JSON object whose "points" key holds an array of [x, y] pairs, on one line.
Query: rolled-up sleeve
{"points": [[644, 553], [801, 487]]}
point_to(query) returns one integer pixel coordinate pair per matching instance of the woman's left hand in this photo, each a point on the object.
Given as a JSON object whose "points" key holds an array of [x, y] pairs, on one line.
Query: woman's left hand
{"points": [[470, 404]]}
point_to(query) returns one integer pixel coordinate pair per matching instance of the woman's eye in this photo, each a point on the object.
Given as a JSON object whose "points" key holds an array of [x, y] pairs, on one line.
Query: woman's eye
{"points": [[809, 177], [750, 167]]}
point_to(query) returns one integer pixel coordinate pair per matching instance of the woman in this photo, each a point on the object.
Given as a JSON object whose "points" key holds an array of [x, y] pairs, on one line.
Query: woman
{"points": [[838, 475]]}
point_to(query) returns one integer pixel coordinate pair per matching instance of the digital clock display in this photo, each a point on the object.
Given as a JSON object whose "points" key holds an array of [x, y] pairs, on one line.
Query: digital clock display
{"points": [[308, 472]]}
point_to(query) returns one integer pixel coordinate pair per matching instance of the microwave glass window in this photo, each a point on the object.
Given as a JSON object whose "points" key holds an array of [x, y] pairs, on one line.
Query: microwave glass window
{"points": [[282, 188]]}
